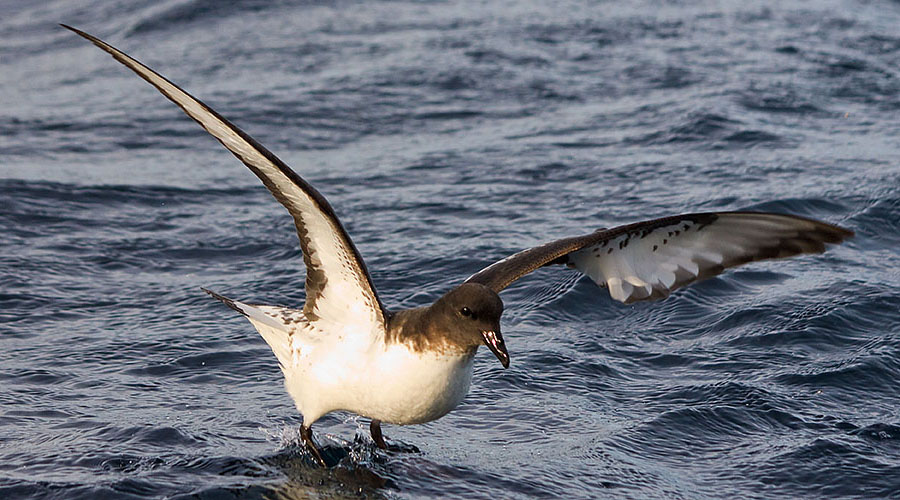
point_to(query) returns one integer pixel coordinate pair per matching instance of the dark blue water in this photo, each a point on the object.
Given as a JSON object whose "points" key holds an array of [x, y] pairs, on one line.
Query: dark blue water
{"points": [[448, 135]]}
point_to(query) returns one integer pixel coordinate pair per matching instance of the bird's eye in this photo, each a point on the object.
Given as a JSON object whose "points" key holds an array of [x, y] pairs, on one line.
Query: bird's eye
{"points": [[465, 311]]}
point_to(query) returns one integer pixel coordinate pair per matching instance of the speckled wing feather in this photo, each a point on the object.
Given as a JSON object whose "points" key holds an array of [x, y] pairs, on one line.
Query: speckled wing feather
{"points": [[338, 286], [648, 260]]}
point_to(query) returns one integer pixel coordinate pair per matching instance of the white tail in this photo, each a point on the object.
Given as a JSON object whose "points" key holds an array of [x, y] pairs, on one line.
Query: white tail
{"points": [[275, 324]]}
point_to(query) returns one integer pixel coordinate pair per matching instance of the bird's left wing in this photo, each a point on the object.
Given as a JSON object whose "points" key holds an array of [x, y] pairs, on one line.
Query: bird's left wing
{"points": [[648, 260], [339, 289]]}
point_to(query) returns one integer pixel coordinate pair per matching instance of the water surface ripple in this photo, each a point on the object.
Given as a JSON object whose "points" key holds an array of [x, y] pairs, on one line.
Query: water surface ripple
{"points": [[448, 135]]}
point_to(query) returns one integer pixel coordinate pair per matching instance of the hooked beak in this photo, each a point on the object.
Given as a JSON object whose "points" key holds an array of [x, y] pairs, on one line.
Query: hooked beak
{"points": [[494, 341]]}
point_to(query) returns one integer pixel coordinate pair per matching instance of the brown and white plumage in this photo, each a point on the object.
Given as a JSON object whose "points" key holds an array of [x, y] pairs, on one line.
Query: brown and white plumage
{"points": [[345, 351], [338, 285], [650, 259]]}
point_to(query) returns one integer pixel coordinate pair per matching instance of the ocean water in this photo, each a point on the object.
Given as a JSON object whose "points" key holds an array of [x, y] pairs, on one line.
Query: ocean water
{"points": [[448, 135]]}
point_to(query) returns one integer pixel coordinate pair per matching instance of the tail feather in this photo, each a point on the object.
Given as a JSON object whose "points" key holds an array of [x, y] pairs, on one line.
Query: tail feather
{"points": [[228, 302], [269, 321]]}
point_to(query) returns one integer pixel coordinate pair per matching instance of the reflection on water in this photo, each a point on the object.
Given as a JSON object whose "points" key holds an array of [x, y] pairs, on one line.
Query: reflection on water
{"points": [[351, 473]]}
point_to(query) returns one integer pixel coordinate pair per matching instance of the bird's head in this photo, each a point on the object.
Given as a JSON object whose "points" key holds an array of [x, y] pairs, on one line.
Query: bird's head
{"points": [[472, 313]]}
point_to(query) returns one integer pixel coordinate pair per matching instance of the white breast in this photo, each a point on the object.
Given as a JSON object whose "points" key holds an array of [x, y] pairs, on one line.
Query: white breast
{"points": [[392, 383], [401, 386]]}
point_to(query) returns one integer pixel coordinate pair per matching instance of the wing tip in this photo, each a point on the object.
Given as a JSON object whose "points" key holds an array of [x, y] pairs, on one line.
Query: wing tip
{"points": [[843, 233], [80, 33], [831, 234]]}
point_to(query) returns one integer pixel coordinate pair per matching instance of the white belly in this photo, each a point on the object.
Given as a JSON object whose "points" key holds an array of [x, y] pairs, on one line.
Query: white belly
{"points": [[405, 387], [390, 383]]}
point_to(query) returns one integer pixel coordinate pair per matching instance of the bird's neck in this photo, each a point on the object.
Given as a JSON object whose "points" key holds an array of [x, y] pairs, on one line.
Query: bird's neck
{"points": [[420, 331]]}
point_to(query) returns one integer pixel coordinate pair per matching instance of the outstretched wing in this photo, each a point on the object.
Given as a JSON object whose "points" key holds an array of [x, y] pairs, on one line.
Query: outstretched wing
{"points": [[648, 260], [338, 286]]}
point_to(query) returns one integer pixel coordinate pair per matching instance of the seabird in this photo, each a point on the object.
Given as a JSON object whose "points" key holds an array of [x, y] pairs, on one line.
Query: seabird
{"points": [[344, 350]]}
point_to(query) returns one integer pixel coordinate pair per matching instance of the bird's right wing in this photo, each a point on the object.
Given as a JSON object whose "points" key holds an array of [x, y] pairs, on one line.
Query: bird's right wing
{"points": [[339, 289], [648, 260]]}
